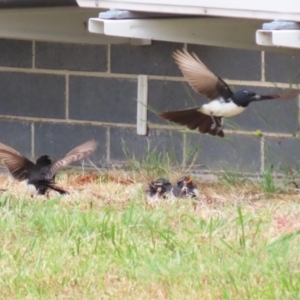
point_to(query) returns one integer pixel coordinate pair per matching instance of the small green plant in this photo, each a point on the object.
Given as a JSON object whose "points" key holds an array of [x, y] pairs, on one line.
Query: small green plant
{"points": [[232, 178], [241, 221], [290, 177], [154, 162], [157, 163], [191, 152], [267, 183]]}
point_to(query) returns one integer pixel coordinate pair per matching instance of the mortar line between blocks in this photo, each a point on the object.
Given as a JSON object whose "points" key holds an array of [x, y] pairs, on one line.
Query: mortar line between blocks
{"points": [[32, 141], [135, 76], [67, 97], [33, 55], [108, 59], [132, 126], [263, 78], [262, 154]]}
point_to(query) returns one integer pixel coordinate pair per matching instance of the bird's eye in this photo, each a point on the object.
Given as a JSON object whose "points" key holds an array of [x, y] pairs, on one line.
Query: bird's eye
{"points": [[249, 93]]}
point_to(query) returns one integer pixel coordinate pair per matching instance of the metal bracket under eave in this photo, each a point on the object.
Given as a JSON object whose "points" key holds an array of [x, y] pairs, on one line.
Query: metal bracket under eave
{"points": [[96, 25], [279, 38], [279, 33]]}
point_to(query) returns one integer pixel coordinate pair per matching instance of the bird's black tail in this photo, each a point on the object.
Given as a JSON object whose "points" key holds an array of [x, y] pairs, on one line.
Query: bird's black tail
{"points": [[194, 119], [43, 185], [285, 96]]}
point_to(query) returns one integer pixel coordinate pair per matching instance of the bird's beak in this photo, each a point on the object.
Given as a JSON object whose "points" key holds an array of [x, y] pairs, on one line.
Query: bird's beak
{"points": [[264, 97], [188, 180], [256, 98]]}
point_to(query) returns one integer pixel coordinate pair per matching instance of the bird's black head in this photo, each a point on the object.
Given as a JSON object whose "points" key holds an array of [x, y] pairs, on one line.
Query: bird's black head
{"points": [[185, 181], [244, 98], [44, 160], [187, 187], [160, 183], [160, 186]]}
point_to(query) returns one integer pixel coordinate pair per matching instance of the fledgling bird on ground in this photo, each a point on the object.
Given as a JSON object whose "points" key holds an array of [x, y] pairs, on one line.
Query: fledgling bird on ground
{"points": [[162, 188], [224, 103], [41, 176], [187, 187]]}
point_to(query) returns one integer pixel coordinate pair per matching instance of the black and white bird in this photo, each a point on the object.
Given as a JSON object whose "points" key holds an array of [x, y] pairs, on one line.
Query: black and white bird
{"points": [[188, 188], [224, 103], [40, 176], [162, 188]]}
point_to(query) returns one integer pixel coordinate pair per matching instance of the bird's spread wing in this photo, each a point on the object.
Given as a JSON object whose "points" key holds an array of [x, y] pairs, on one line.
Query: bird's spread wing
{"points": [[194, 119], [17, 164], [199, 77], [77, 153]]}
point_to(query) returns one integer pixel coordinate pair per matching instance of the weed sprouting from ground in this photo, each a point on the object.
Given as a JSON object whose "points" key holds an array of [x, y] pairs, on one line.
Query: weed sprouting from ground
{"points": [[154, 163], [268, 183], [232, 178]]}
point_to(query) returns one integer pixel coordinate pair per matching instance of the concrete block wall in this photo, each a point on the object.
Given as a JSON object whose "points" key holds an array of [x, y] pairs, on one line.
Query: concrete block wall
{"points": [[54, 96]]}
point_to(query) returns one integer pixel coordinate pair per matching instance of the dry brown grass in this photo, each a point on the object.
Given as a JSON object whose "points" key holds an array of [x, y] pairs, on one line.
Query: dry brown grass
{"points": [[117, 188]]}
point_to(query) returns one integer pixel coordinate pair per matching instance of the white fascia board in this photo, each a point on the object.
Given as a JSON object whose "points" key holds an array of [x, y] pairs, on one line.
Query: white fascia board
{"points": [[255, 9], [63, 24]]}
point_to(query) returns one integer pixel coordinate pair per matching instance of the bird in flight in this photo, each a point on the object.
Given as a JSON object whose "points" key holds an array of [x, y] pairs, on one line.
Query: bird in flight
{"points": [[223, 102], [40, 176]]}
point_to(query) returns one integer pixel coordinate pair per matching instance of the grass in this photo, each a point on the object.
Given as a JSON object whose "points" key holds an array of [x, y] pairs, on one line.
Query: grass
{"points": [[268, 183], [232, 178], [155, 162], [104, 241]]}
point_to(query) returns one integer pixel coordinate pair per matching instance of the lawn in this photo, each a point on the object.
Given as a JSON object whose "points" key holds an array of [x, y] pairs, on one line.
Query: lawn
{"points": [[104, 241]]}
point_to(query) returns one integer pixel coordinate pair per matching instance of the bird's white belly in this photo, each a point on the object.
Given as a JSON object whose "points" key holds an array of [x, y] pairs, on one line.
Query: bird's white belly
{"points": [[31, 188], [221, 109]]}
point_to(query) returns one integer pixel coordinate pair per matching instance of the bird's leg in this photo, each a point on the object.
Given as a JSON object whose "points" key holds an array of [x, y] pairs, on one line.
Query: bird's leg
{"points": [[47, 194], [184, 189], [214, 125], [220, 128]]}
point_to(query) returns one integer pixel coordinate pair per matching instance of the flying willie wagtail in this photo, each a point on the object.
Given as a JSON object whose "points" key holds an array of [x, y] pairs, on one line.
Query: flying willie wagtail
{"points": [[224, 103], [41, 175], [187, 187]]}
